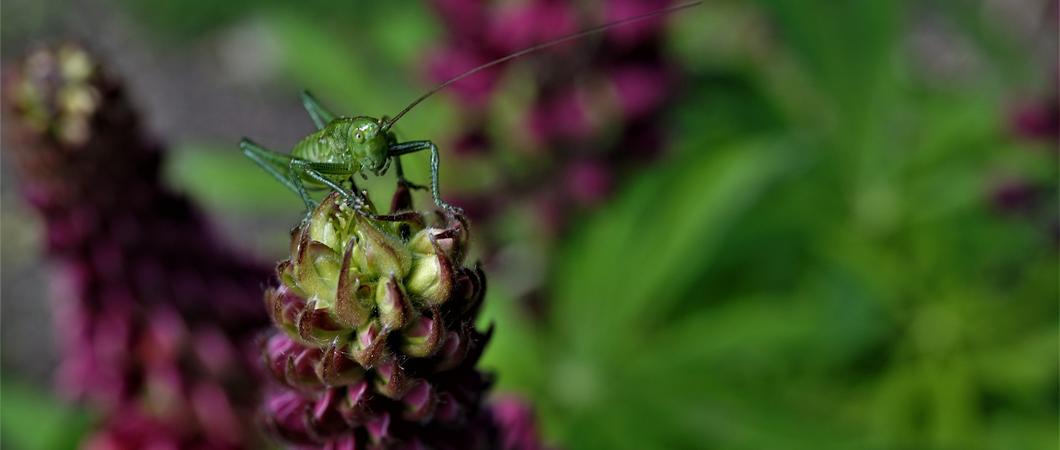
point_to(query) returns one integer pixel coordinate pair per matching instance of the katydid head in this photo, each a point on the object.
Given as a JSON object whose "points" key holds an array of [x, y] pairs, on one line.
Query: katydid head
{"points": [[368, 143]]}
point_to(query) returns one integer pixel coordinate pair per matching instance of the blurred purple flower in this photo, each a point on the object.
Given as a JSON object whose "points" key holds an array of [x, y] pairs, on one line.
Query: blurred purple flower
{"points": [[156, 317], [1032, 196], [1039, 120], [449, 62], [560, 116], [588, 182], [641, 89], [1016, 196], [635, 33], [585, 94], [462, 14], [516, 26], [518, 428]]}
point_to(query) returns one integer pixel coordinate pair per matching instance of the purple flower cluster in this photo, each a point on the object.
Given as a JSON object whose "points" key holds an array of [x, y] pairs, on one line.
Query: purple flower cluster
{"points": [[595, 107], [1039, 118], [157, 318], [1033, 198]]}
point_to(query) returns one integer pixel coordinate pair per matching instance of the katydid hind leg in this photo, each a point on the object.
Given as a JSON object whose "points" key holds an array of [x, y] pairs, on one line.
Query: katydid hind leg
{"points": [[307, 169], [297, 172], [320, 115], [275, 164]]}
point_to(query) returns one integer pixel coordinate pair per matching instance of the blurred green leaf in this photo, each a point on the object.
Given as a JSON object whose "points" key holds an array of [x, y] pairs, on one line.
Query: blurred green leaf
{"points": [[846, 45], [33, 420], [661, 235], [226, 180], [656, 239], [187, 18], [514, 346], [357, 72], [978, 21]]}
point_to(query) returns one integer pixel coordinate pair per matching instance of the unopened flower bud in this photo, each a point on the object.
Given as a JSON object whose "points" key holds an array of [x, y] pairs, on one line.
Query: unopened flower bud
{"points": [[300, 369], [419, 401], [356, 409], [327, 224], [286, 415], [324, 417], [316, 325], [423, 338], [391, 380], [352, 308], [377, 253], [452, 352], [368, 346], [317, 271], [379, 428], [393, 307], [447, 409], [336, 369], [431, 279]]}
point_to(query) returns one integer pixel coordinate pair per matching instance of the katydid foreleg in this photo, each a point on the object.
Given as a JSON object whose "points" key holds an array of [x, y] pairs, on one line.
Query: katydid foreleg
{"points": [[397, 150]]}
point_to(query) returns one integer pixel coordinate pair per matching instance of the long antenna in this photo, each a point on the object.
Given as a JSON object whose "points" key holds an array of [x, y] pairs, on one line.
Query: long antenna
{"points": [[534, 48]]}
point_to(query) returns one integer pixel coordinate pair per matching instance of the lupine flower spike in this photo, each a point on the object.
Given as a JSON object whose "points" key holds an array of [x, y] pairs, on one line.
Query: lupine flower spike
{"points": [[376, 344], [596, 115], [156, 318]]}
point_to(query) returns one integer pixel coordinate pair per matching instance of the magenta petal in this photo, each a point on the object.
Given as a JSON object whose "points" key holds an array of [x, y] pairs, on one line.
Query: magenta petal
{"points": [[640, 90], [631, 34], [379, 427], [475, 90], [1039, 120], [518, 428], [588, 182], [528, 23]]}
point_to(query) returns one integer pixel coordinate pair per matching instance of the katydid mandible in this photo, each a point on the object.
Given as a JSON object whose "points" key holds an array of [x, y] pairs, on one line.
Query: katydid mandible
{"points": [[343, 147]]}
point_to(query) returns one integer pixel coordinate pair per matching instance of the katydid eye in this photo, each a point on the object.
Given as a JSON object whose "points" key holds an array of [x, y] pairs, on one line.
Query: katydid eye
{"points": [[358, 136]]}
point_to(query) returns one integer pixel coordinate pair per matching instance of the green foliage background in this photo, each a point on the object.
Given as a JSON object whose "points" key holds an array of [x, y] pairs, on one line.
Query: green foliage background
{"points": [[815, 265]]}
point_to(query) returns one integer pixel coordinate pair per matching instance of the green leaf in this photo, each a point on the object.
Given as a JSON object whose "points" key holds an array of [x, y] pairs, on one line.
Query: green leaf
{"points": [[623, 274], [33, 420], [350, 71], [634, 260], [225, 180], [514, 351], [844, 44]]}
